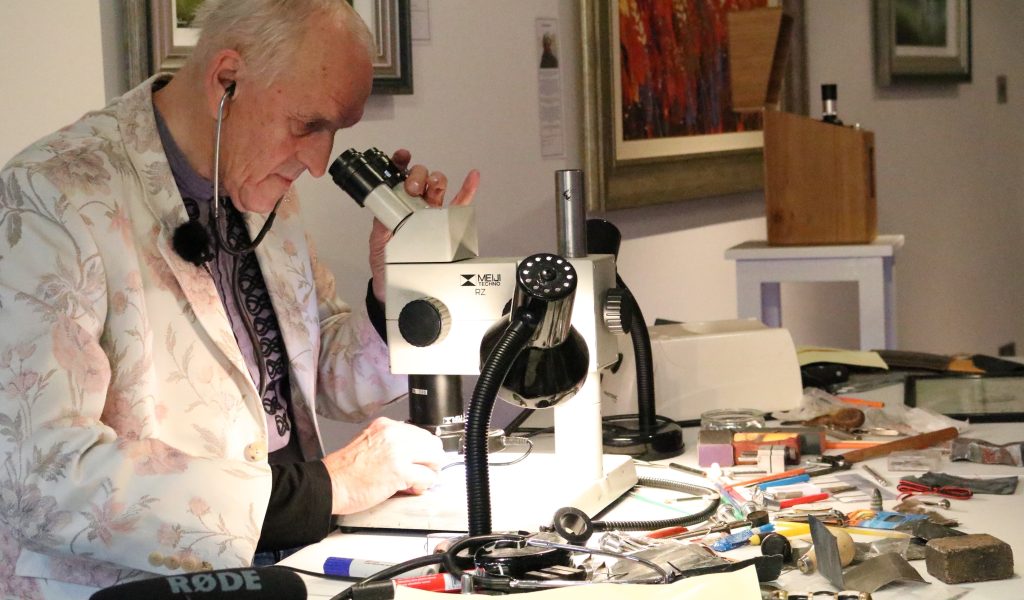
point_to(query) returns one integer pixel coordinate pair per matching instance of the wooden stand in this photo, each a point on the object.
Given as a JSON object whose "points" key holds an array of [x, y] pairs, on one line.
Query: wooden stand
{"points": [[818, 177], [819, 182]]}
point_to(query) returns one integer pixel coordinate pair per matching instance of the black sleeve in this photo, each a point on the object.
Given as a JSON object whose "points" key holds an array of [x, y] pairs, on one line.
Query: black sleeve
{"points": [[299, 512], [375, 310]]}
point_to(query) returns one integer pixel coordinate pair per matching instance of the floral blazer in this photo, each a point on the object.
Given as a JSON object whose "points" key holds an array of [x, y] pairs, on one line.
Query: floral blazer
{"points": [[132, 438]]}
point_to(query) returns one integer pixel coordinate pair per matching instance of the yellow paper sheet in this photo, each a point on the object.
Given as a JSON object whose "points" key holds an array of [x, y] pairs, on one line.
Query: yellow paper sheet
{"points": [[807, 355]]}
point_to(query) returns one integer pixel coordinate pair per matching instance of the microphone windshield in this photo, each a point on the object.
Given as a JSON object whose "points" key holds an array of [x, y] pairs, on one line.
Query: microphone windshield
{"points": [[192, 242], [266, 583]]}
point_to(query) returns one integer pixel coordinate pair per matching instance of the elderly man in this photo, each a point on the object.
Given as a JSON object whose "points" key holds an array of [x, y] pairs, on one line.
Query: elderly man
{"points": [[134, 435]]}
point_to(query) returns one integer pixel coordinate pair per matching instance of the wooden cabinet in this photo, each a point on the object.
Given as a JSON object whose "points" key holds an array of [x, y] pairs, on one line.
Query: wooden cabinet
{"points": [[819, 181]]}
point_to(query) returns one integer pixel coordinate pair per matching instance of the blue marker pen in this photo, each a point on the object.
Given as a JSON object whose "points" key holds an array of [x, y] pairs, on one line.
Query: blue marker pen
{"points": [[740, 538], [787, 481], [358, 568]]}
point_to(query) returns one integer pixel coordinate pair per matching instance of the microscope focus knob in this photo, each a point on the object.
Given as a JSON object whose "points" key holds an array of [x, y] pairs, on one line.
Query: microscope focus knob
{"points": [[424, 322], [616, 311]]}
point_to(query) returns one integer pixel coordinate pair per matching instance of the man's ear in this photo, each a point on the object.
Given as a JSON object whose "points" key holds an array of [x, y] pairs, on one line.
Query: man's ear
{"points": [[220, 78]]}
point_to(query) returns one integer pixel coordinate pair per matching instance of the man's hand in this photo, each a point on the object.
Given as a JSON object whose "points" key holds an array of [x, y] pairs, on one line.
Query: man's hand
{"points": [[429, 185], [387, 457]]}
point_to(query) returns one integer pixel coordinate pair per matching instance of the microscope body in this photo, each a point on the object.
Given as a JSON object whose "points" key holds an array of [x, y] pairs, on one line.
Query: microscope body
{"points": [[470, 296], [442, 298]]}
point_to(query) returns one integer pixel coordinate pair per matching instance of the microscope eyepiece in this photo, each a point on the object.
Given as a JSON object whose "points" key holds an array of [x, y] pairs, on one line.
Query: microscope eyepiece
{"points": [[352, 173], [382, 163]]}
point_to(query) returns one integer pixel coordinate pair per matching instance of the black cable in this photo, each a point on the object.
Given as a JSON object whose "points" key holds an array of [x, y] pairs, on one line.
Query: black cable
{"points": [[668, 484], [478, 421], [451, 563], [518, 421], [218, 235]]}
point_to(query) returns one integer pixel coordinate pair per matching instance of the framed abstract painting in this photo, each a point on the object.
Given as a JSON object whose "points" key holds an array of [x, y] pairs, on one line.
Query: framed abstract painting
{"points": [[658, 121]]}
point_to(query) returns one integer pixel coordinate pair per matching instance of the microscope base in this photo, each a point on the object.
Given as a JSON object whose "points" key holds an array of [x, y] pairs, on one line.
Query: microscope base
{"points": [[524, 496]]}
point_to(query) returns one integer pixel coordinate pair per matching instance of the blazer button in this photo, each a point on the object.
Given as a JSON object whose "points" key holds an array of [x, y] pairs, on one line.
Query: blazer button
{"points": [[256, 452]]}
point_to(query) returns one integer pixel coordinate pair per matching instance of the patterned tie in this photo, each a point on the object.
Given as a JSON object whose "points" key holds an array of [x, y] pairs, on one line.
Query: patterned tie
{"points": [[243, 273]]}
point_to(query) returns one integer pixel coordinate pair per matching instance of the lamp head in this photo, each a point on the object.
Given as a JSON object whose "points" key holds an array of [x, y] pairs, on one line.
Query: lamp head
{"points": [[555, 362]]}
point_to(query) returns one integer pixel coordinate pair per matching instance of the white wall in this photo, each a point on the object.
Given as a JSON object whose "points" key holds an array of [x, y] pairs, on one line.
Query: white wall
{"points": [[475, 106], [51, 68], [950, 161], [950, 174]]}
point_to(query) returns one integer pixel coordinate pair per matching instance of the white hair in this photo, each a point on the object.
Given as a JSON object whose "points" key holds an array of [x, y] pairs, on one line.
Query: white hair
{"points": [[267, 33]]}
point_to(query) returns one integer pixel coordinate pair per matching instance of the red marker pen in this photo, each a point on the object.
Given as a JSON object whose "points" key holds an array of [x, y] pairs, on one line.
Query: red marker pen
{"points": [[440, 582], [802, 500]]}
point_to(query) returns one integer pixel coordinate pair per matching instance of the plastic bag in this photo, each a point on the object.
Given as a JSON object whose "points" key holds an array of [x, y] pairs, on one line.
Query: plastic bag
{"points": [[907, 420]]}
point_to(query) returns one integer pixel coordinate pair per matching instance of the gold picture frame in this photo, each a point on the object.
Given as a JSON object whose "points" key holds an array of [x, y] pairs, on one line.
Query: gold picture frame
{"points": [[157, 44], [615, 182]]}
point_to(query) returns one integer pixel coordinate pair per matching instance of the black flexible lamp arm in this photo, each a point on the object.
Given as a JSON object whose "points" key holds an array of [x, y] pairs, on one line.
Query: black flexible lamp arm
{"points": [[643, 359], [478, 421], [604, 238], [536, 357], [644, 435]]}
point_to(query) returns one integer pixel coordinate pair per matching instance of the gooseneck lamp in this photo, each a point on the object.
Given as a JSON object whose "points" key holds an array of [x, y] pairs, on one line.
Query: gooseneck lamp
{"points": [[645, 434], [533, 356]]}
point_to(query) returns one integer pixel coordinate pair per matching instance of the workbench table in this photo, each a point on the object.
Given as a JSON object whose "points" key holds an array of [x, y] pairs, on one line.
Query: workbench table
{"points": [[997, 515]]}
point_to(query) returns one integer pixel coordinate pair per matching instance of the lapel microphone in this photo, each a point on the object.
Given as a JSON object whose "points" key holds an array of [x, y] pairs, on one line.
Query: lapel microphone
{"points": [[191, 240]]}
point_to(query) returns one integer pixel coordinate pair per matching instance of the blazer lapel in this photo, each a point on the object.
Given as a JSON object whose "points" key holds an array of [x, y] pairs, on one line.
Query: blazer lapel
{"points": [[160, 194]]}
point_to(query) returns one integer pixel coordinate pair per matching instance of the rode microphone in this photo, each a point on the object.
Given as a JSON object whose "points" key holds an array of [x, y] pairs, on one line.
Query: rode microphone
{"points": [[265, 583]]}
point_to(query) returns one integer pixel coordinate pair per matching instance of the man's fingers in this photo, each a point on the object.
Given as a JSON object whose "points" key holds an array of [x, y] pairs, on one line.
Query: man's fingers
{"points": [[437, 185], [468, 189], [402, 157], [416, 180], [419, 478]]}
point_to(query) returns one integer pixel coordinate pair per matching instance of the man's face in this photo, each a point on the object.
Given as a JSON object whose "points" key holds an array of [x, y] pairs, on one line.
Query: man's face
{"points": [[272, 134]]}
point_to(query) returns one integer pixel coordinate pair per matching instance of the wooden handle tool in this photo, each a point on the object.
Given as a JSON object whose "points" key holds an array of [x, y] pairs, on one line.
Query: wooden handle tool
{"points": [[914, 442]]}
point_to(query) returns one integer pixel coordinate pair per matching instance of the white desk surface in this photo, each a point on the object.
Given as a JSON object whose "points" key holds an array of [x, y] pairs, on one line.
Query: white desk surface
{"points": [[884, 245], [1000, 516]]}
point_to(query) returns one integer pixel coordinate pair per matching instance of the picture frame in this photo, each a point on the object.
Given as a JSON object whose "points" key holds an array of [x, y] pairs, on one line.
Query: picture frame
{"points": [[157, 44], [615, 181], [922, 40]]}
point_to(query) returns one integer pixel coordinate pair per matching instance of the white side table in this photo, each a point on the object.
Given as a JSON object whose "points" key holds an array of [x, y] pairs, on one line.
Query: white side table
{"points": [[760, 268]]}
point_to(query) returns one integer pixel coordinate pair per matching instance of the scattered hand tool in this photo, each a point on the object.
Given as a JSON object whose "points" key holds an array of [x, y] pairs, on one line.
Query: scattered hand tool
{"points": [[772, 477], [843, 462], [878, 478], [783, 504], [754, 519], [811, 440]]}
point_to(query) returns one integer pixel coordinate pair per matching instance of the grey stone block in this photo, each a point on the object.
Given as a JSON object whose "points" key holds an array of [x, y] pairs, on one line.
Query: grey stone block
{"points": [[969, 558]]}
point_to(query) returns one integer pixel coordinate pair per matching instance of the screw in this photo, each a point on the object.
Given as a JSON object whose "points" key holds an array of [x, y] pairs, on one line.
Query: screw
{"points": [[941, 503], [876, 500]]}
